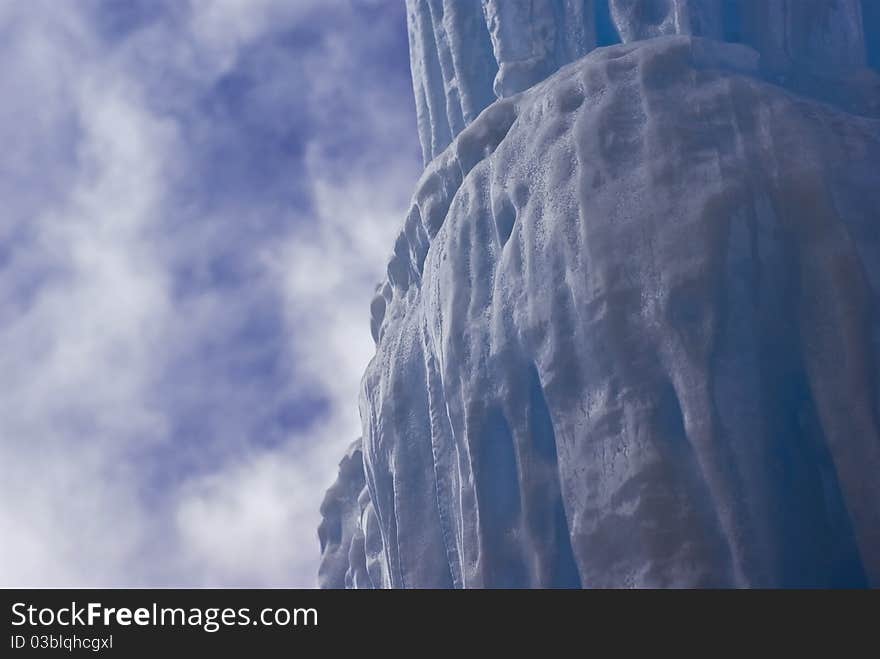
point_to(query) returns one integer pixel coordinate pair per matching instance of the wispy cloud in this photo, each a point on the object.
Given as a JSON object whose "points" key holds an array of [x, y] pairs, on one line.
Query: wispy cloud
{"points": [[200, 198]]}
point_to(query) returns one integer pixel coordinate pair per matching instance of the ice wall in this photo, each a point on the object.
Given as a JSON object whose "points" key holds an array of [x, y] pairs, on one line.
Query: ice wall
{"points": [[467, 53], [630, 330]]}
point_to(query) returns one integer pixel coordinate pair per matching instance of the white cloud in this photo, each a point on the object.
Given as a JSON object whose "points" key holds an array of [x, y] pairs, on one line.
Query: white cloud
{"points": [[75, 351]]}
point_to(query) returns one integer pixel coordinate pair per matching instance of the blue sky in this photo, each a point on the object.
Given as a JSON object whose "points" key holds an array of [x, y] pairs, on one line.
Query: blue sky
{"points": [[198, 198]]}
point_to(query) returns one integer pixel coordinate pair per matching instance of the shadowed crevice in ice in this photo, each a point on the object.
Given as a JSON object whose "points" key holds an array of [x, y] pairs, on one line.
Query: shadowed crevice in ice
{"points": [[498, 499], [561, 563]]}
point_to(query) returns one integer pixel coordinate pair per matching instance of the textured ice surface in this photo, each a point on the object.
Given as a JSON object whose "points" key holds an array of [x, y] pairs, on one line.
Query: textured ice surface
{"points": [[644, 19], [532, 38], [351, 542], [629, 336], [466, 53]]}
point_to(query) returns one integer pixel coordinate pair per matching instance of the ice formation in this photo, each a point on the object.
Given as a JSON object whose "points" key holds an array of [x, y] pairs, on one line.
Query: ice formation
{"points": [[467, 53], [629, 332]]}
